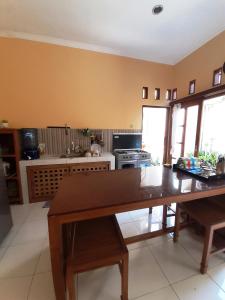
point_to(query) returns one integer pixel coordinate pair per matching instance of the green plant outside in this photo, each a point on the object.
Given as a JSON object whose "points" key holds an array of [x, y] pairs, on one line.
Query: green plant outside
{"points": [[208, 157]]}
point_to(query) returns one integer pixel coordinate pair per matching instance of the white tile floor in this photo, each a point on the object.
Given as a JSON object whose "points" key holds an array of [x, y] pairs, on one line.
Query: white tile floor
{"points": [[158, 268]]}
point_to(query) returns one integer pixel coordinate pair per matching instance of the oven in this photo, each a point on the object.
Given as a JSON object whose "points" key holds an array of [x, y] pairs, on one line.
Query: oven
{"points": [[127, 164], [128, 153]]}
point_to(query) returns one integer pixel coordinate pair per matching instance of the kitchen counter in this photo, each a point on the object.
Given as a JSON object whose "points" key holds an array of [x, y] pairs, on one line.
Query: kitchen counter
{"points": [[54, 160]]}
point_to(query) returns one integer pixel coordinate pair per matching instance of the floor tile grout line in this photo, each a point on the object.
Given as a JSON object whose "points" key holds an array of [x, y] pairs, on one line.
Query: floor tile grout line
{"points": [[26, 243], [15, 277], [39, 257], [196, 259], [35, 271], [192, 257], [30, 286], [149, 248], [155, 291], [215, 282], [165, 274], [171, 285], [6, 248]]}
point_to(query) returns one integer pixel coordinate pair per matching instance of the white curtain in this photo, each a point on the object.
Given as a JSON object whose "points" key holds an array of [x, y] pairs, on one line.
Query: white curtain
{"points": [[175, 118]]}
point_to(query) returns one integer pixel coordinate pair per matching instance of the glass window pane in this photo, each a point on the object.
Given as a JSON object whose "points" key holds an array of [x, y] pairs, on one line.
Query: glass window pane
{"points": [[179, 134], [177, 150], [191, 127], [213, 125], [181, 117]]}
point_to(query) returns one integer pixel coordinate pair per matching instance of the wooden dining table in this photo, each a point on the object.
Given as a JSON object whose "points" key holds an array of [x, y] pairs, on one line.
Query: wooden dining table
{"points": [[94, 194]]}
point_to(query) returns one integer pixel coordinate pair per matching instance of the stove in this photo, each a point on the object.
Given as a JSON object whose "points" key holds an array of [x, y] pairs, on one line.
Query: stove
{"points": [[130, 158]]}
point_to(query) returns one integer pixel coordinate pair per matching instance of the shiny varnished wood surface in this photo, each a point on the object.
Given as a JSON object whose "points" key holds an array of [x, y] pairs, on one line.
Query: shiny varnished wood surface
{"points": [[118, 188], [90, 195]]}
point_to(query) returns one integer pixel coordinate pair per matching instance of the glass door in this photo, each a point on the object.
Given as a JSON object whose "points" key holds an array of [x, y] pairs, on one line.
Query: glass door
{"points": [[153, 132], [185, 135]]}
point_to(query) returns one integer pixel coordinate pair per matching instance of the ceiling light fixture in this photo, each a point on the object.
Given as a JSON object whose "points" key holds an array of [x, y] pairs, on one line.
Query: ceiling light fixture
{"points": [[157, 9]]}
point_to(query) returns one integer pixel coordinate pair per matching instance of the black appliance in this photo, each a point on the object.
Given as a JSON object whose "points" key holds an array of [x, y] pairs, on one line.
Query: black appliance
{"points": [[29, 143], [5, 213], [126, 141]]}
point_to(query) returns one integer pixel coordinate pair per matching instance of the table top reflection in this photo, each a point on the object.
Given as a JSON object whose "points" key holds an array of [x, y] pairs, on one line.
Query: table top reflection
{"points": [[120, 188]]}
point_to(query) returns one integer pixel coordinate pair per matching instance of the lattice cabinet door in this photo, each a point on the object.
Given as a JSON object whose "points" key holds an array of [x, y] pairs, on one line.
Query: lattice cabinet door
{"points": [[43, 181], [89, 167]]}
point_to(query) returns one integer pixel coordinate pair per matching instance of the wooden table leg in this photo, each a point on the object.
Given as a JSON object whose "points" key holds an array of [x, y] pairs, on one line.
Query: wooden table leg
{"points": [[177, 223], [124, 278], [57, 258], [207, 248], [164, 218]]}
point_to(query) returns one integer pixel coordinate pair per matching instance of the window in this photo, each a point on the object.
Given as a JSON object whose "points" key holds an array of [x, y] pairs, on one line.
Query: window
{"points": [[213, 125], [174, 94], [190, 131], [145, 92], [184, 131], [168, 94], [192, 87], [178, 133], [217, 77], [157, 94]]}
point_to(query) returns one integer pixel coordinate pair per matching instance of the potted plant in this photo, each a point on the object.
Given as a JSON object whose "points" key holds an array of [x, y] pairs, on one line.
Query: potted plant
{"points": [[4, 124]]}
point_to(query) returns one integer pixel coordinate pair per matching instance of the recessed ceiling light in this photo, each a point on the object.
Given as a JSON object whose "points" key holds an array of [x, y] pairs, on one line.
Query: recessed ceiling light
{"points": [[157, 9]]}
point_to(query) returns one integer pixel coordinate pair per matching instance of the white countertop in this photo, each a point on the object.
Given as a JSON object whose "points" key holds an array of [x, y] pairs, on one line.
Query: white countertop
{"points": [[49, 160], [54, 160]]}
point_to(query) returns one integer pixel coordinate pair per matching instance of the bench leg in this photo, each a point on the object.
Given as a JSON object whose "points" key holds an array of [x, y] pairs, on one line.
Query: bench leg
{"points": [[207, 248], [150, 211], [124, 278], [177, 224], [71, 285]]}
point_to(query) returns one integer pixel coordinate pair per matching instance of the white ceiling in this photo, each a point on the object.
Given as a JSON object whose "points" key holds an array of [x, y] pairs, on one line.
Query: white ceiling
{"points": [[124, 27]]}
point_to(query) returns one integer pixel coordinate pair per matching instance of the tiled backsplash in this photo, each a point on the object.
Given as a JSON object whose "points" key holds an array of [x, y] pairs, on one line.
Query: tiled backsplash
{"points": [[55, 139]]}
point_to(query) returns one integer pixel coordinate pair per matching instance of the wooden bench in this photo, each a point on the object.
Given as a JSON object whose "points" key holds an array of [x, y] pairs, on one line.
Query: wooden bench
{"points": [[210, 213], [97, 243]]}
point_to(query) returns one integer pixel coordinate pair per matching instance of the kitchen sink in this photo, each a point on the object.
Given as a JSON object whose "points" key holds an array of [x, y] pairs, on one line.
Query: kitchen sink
{"points": [[72, 155]]}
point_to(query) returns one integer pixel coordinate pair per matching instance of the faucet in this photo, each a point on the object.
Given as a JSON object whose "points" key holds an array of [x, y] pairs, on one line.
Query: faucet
{"points": [[73, 146], [67, 141]]}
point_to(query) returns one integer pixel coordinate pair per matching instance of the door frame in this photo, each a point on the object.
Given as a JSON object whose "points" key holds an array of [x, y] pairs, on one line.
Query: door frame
{"points": [[168, 127]]}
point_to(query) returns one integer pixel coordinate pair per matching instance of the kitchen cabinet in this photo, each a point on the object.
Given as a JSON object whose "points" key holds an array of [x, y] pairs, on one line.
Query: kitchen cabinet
{"points": [[10, 154], [5, 213], [44, 180]]}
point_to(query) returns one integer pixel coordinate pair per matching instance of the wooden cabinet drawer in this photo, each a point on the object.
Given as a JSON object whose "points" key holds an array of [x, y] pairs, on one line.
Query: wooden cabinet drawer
{"points": [[44, 180]]}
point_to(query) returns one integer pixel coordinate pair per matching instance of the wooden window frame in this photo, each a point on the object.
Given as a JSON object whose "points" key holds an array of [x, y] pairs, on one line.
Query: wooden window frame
{"points": [[144, 93], [169, 97], [157, 94], [196, 99], [219, 70], [192, 82], [174, 92]]}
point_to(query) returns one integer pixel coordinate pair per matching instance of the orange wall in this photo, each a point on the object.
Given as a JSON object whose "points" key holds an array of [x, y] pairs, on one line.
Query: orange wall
{"points": [[200, 66], [43, 84]]}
